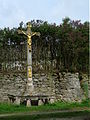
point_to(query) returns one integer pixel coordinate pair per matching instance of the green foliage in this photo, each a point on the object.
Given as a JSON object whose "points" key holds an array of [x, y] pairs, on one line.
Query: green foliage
{"points": [[85, 89], [67, 44]]}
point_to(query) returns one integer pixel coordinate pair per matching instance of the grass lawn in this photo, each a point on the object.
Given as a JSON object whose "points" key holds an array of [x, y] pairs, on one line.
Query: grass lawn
{"points": [[10, 108]]}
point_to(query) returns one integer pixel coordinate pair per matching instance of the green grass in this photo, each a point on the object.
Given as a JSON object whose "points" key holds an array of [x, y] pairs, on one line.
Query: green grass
{"points": [[10, 108]]}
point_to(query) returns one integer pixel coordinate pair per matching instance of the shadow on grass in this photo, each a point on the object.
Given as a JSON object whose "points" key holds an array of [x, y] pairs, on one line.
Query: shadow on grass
{"points": [[48, 116]]}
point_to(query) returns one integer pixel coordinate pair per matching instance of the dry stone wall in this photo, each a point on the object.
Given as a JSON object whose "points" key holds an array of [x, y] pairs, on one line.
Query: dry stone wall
{"points": [[13, 84], [61, 86], [67, 87], [43, 84]]}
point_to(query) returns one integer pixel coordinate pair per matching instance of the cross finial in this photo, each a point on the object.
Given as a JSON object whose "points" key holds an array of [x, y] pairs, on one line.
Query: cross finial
{"points": [[29, 25]]}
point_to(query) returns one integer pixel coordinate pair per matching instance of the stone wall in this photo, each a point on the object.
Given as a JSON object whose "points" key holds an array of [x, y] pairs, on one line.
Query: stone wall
{"points": [[44, 84], [15, 84], [61, 86], [11, 84], [67, 87]]}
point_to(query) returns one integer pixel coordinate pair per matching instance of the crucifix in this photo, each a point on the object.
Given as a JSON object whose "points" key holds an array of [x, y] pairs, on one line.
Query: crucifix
{"points": [[28, 33]]}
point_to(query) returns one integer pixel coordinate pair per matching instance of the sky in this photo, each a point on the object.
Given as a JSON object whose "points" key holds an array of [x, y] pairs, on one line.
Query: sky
{"points": [[12, 12]]}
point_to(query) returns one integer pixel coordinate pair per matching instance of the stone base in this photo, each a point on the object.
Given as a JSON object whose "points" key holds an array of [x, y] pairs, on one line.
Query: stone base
{"points": [[28, 103], [40, 102], [17, 101]]}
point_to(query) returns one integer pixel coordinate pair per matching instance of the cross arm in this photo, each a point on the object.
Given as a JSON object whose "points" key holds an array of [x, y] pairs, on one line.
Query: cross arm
{"points": [[36, 33], [21, 32]]}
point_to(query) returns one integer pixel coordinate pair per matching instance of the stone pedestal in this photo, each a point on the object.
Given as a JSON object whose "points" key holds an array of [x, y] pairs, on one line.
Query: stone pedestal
{"points": [[51, 100], [40, 102], [28, 103], [9, 101], [17, 101]]}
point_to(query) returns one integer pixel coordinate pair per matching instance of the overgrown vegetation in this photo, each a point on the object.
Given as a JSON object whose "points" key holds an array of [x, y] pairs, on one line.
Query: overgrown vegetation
{"points": [[85, 89], [64, 47]]}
